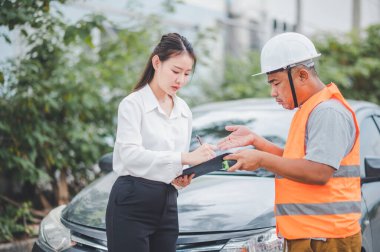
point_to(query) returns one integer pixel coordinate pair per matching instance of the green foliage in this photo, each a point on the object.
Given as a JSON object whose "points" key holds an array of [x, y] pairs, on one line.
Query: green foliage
{"points": [[170, 5], [23, 11], [238, 81], [14, 221], [20, 12], [350, 62], [353, 64], [58, 102]]}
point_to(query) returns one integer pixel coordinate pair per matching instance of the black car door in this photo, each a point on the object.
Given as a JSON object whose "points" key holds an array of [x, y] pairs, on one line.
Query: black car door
{"points": [[370, 160]]}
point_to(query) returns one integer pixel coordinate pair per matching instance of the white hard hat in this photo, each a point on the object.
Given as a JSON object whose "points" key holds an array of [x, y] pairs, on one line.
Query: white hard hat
{"points": [[287, 50]]}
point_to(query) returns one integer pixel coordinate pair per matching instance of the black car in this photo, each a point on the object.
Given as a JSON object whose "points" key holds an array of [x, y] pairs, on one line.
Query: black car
{"points": [[221, 211]]}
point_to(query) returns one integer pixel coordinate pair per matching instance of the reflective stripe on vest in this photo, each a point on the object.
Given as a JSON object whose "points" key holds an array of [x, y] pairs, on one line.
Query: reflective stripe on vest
{"points": [[331, 210], [319, 209]]}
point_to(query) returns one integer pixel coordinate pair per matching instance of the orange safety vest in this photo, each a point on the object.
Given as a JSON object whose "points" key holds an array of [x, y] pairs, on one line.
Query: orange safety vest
{"points": [[319, 211]]}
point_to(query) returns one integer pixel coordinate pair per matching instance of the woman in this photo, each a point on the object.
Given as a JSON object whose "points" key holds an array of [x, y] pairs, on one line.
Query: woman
{"points": [[151, 148]]}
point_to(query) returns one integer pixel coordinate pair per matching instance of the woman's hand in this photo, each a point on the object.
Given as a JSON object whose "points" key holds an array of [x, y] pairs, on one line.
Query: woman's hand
{"points": [[201, 154], [183, 181]]}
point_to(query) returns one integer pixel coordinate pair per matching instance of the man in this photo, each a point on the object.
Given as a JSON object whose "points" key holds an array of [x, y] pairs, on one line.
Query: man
{"points": [[317, 199]]}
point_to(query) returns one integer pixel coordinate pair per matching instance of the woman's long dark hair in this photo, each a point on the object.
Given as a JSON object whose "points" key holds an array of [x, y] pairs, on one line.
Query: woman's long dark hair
{"points": [[170, 45]]}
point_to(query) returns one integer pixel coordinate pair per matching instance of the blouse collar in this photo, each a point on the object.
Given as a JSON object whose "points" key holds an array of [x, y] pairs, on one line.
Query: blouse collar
{"points": [[150, 103]]}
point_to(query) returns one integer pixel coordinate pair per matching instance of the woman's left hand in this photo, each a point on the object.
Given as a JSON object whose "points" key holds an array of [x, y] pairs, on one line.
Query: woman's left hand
{"points": [[183, 181]]}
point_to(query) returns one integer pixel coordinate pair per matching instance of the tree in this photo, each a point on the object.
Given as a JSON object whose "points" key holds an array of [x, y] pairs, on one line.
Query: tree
{"points": [[352, 63], [238, 81], [58, 101]]}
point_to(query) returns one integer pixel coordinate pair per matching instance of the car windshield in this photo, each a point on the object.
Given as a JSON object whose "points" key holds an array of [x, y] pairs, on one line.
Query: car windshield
{"points": [[271, 124]]}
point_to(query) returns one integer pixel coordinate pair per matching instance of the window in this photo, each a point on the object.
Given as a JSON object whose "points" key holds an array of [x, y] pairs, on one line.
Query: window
{"points": [[254, 38], [377, 121], [370, 137]]}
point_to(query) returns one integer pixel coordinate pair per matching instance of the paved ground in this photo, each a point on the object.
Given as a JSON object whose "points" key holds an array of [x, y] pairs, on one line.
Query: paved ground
{"points": [[19, 246]]}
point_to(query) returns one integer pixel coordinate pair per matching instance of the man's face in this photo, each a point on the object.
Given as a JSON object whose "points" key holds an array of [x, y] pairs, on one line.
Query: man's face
{"points": [[280, 89]]}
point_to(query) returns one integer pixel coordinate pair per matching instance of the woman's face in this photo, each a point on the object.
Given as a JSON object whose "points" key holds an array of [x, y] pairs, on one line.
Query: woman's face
{"points": [[174, 73]]}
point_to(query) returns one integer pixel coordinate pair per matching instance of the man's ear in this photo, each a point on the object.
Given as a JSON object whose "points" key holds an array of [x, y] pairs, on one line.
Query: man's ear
{"points": [[156, 62], [303, 75]]}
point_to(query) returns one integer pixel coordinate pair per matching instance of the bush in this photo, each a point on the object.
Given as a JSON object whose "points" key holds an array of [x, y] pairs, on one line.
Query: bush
{"points": [[15, 221], [58, 102]]}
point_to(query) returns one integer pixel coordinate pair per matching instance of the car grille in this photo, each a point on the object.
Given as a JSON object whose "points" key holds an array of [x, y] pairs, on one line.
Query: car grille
{"points": [[95, 240], [201, 247], [85, 243]]}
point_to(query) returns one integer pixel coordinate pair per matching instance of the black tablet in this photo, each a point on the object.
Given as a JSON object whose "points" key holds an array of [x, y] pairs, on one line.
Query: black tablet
{"points": [[215, 164]]}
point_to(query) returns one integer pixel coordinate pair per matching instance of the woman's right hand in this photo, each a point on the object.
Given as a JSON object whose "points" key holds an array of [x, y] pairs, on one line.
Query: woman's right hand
{"points": [[201, 154]]}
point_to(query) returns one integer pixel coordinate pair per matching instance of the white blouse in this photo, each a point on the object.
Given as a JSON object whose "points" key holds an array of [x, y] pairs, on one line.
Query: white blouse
{"points": [[148, 142]]}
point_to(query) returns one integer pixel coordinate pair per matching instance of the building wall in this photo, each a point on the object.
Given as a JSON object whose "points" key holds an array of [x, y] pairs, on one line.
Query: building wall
{"points": [[323, 15], [333, 16]]}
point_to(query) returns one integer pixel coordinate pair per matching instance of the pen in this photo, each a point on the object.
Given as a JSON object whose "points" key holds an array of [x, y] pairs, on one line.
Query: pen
{"points": [[199, 139]]}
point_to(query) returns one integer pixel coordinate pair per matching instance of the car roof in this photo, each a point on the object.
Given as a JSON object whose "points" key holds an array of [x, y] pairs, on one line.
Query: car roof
{"points": [[357, 105], [263, 104], [241, 104]]}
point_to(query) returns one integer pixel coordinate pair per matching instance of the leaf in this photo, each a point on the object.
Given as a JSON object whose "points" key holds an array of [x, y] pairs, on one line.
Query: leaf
{"points": [[4, 127], [70, 34], [6, 37], [24, 32], [88, 41]]}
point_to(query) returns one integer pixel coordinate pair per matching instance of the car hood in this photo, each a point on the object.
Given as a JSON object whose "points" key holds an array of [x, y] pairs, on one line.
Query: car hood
{"points": [[211, 203]]}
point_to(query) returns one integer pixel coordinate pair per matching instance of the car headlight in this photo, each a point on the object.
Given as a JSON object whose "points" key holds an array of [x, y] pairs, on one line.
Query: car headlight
{"points": [[266, 241], [53, 233]]}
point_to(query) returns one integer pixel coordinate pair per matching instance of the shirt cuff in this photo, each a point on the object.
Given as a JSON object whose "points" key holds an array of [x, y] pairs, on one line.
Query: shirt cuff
{"points": [[176, 163], [322, 161]]}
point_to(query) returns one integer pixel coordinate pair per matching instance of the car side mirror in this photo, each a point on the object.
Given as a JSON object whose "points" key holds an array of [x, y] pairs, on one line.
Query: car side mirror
{"points": [[372, 167], [105, 163]]}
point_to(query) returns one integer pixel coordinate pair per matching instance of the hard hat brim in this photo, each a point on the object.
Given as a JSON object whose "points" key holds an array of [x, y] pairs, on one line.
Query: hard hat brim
{"points": [[291, 65], [258, 74]]}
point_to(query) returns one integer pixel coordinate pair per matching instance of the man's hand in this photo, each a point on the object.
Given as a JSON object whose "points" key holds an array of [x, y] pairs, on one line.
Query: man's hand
{"points": [[248, 160], [299, 170], [240, 136]]}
